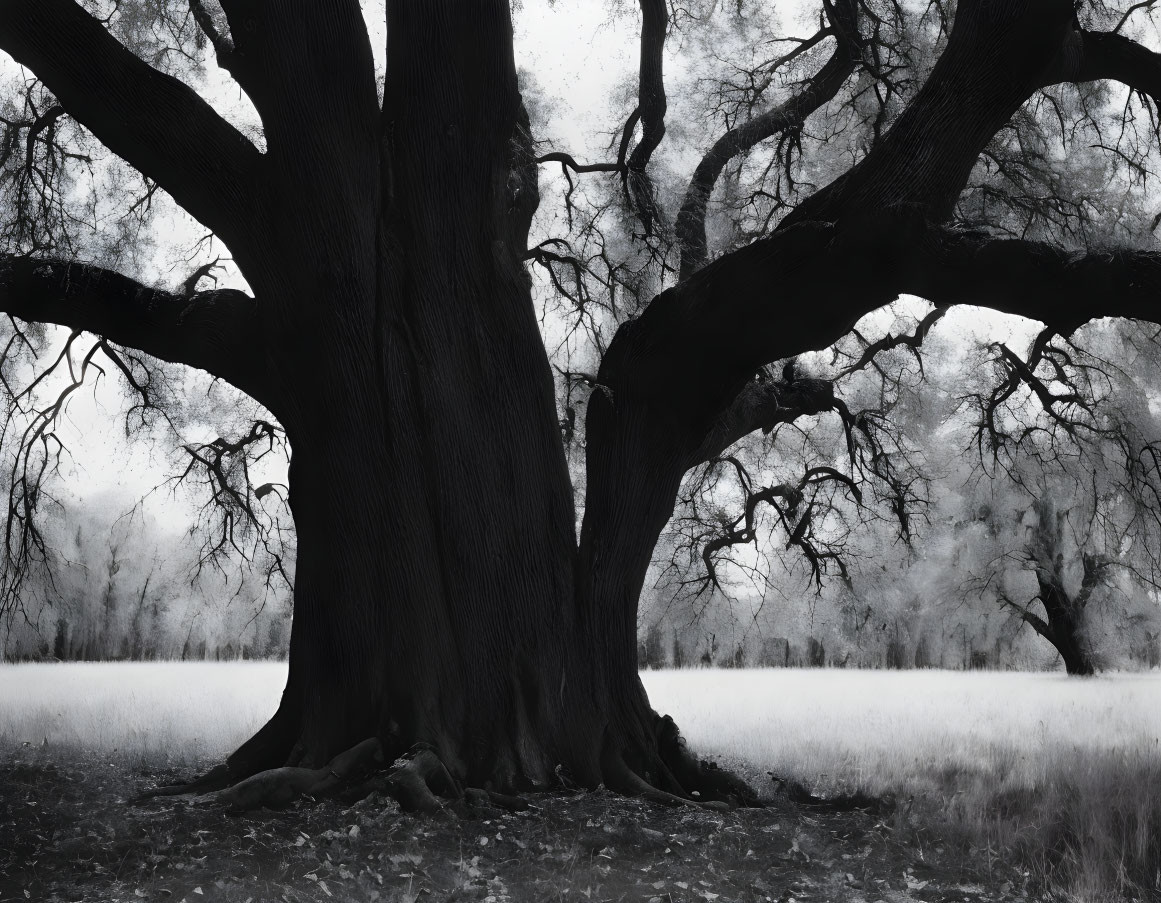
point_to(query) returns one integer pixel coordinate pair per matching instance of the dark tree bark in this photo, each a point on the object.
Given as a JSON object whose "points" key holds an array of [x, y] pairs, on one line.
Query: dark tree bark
{"points": [[442, 597], [1063, 628], [1063, 623]]}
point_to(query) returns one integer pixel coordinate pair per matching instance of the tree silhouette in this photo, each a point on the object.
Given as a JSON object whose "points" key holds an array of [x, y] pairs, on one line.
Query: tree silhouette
{"points": [[443, 601]]}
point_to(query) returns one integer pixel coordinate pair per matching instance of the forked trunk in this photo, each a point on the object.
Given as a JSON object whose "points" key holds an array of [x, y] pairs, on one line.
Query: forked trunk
{"points": [[440, 596], [436, 598]]}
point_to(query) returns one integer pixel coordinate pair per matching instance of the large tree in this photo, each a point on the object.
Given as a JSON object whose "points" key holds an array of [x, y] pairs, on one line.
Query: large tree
{"points": [[442, 594]]}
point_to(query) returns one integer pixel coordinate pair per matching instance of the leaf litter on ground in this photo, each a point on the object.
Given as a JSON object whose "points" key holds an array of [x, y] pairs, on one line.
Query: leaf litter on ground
{"points": [[69, 835]]}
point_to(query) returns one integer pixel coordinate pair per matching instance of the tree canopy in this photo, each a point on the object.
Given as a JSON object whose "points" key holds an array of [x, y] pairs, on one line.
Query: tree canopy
{"points": [[500, 363]]}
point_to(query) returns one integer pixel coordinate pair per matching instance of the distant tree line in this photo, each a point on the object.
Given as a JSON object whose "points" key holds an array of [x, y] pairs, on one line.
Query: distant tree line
{"points": [[122, 587]]}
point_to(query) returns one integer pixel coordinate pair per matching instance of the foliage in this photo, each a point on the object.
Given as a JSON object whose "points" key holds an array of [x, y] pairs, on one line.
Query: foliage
{"points": [[126, 587]]}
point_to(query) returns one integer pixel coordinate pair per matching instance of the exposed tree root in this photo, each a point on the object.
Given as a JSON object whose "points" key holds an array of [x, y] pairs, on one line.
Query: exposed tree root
{"points": [[624, 779], [711, 782], [669, 774], [416, 778], [475, 795], [273, 789], [658, 768], [277, 787], [215, 779]]}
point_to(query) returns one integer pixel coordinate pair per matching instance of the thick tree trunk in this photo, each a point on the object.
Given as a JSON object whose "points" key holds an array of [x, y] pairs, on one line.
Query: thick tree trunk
{"points": [[440, 598], [436, 598], [435, 595], [1077, 661], [1065, 628]]}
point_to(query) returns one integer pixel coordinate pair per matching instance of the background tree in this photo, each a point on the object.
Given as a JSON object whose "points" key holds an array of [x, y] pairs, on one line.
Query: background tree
{"points": [[125, 585], [1002, 491], [1068, 426], [442, 594]]}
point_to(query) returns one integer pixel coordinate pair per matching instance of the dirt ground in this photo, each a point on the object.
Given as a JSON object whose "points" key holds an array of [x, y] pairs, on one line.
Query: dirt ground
{"points": [[68, 834]]}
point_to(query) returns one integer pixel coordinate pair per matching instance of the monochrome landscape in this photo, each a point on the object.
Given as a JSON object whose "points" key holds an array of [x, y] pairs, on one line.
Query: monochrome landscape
{"points": [[609, 450]]}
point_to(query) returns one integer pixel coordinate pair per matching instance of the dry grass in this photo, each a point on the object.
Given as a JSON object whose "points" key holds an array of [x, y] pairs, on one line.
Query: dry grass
{"points": [[1063, 776], [1089, 826], [142, 713]]}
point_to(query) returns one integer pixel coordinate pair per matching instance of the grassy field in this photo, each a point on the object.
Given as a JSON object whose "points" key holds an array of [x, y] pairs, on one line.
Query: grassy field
{"points": [[149, 713], [1062, 776], [884, 730]]}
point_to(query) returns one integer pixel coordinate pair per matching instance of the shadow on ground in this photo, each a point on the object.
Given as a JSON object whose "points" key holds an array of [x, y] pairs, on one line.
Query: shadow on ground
{"points": [[67, 834]]}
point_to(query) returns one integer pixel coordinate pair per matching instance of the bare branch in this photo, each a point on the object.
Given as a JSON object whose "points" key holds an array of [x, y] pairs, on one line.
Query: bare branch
{"points": [[786, 116], [798, 508], [222, 43], [1143, 4], [154, 122], [761, 405], [1034, 279], [215, 331], [1108, 55], [232, 520], [1030, 618], [911, 341], [566, 160], [650, 112]]}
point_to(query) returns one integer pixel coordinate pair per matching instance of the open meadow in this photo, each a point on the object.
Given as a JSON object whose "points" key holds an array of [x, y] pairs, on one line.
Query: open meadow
{"points": [[1061, 777]]}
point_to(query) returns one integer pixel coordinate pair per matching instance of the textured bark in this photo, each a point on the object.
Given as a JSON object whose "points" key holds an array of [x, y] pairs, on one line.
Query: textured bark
{"points": [[436, 598]]}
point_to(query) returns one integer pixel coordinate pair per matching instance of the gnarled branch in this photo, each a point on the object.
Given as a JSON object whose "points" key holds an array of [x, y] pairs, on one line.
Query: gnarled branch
{"points": [[762, 405], [1032, 619], [214, 331], [650, 113], [1108, 55], [786, 116], [153, 121]]}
